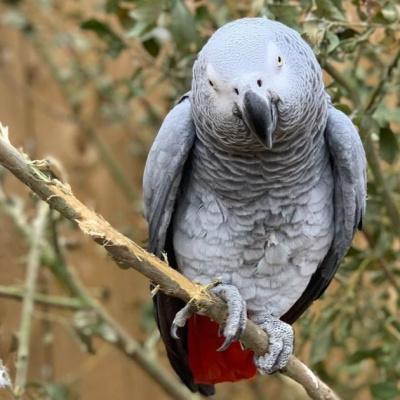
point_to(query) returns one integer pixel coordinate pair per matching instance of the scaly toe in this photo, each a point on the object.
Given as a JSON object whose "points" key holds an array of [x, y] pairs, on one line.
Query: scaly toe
{"points": [[236, 320], [280, 344]]}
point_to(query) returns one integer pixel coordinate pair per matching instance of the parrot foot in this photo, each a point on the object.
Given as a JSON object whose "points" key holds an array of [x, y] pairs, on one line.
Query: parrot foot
{"points": [[236, 320], [280, 344], [180, 320]]}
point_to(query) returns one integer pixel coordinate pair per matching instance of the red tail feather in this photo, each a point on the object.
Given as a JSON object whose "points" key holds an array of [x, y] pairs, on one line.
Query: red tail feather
{"points": [[209, 366]]}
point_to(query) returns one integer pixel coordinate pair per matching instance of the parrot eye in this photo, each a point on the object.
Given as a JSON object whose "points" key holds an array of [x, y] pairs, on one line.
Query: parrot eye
{"points": [[280, 61], [211, 83]]}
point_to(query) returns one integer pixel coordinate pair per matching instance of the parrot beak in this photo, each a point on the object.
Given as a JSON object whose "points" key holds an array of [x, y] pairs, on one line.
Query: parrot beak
{"points": [[260, 116]]}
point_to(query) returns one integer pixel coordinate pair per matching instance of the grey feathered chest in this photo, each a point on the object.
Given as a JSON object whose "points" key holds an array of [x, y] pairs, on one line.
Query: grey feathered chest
{"points": [[263, 223]]}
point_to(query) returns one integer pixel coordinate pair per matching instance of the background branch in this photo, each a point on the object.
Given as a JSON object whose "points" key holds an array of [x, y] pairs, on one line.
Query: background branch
{"points": [[33, 265], [53, 257], [45, 299], [370, 106], [110, 160]]}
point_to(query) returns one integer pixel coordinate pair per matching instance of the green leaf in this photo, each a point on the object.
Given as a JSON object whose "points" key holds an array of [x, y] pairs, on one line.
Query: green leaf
{"points": [[379, 18], [313, 33], [15, 19], [202, 15], [328, 9], [347, 34], [183, 26], [383, 115], [361, 355], [83, 341], [104, 32], [367, 124], [144, 17], [58, 390], [388, 145], [322, 344], [151, 46], [344, 108], [390, 12], [287, 14], [12, 2], [146, 318], [384, 390], [331, 41], [353, 252], [111, 6]]}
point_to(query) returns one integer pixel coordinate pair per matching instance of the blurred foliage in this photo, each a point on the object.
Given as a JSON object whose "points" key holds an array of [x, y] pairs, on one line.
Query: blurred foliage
{"points": [[352, 338]]}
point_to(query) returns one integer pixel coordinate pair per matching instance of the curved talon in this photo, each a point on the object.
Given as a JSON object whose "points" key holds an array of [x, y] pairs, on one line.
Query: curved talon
{"points": [[228, 340], [180, 320], [174, 331], [236, 320], [239, 333]]}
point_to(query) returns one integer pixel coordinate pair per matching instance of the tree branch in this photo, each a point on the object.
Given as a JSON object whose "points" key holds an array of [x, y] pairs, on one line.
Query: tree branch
{"points": [[369, 108], [129, 254], [105, 154], [68, 303], [33, 266]]}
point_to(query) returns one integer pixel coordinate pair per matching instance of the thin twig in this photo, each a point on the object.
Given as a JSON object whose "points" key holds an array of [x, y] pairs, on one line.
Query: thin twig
{"points": [[33, 266], [13, 207], [53, 256], [370, 107], [132, 348], [17, 293], [340, 79], [381, 183], [231, 6], [87, 128], [373, 160], [128, 253], [379, 92], [383, 264]]}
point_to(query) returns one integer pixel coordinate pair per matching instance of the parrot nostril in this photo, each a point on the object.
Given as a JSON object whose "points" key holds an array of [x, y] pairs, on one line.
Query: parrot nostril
{"points": [[259, 83], [236, 90]]}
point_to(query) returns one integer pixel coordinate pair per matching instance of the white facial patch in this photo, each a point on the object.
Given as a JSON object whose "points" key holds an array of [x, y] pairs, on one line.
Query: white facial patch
{"points": [[277, 68], [221, 88], [212, 74]]}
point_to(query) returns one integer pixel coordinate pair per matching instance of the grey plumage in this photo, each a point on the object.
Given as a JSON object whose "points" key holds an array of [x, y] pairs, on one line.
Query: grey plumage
{"points": [[273, 222]]}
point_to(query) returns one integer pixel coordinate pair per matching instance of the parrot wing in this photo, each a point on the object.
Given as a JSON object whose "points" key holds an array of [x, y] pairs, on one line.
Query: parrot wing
{"points": [[163, 172], [162, 181], [349, 172]]}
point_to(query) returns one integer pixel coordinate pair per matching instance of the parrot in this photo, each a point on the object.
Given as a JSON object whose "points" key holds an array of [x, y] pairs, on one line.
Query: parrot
{"points": [[255, 185]]}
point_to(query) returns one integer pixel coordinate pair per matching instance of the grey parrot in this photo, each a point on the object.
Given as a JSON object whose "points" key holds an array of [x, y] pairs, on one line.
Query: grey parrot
{"points": [[256, 179]]}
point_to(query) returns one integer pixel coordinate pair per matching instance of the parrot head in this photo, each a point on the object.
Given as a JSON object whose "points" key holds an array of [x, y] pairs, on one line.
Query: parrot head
{"points": [[255, 83]]}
